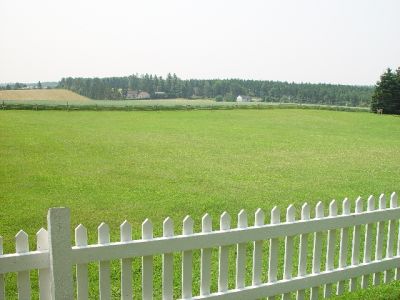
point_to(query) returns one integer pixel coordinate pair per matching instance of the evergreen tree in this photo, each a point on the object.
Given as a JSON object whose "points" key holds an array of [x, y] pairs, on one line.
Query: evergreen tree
{"points": [[39, 85], [173, 87], [387, 93]]}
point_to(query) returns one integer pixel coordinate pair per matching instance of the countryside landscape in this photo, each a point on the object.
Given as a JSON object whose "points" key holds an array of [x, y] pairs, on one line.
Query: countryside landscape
{"points": [[207, 161]]}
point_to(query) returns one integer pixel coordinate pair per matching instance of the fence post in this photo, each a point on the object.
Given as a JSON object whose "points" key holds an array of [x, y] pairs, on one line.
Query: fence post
{"points": [[58, 222]]}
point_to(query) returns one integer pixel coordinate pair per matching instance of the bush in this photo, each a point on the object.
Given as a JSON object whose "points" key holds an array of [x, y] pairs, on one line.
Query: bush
{"points": [[219, 98], [229, 97]]}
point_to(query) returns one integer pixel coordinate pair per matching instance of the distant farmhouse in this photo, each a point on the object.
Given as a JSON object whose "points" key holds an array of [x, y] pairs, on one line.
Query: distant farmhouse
{"points": [[241, 98], [143, 95], [132, 94]]}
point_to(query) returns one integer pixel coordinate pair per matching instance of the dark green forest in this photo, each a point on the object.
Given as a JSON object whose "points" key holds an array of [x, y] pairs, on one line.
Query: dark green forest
{"points": [[114, 88]]}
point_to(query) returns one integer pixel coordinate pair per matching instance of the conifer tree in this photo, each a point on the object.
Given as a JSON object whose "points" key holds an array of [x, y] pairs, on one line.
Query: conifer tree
{"points": [[387, 93]]}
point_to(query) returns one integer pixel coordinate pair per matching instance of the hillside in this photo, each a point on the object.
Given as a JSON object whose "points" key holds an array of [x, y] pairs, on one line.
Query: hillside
{"points": [[45, 94]]}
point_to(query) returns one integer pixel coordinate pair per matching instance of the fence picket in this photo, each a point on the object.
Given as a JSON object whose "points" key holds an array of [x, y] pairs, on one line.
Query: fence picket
{"points": [[273, 250], [81, 269], [42, 243], [168, 263], [288, 259], [205, 272], [241, 253], [344, 238], [225, 224], [23, 281], [104, 266], [187, 261], [54, 257], [397, 274], [316, 262], [2, 286], [330, 250], [391, 238], [302, 268], [368, 242], [147, 263], [257, 249], [379, 239], [355, 252], [126, 263]]}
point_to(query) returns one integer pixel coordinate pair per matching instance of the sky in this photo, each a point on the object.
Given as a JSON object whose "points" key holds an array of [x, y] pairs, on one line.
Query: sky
{"points": [[336, 41]]}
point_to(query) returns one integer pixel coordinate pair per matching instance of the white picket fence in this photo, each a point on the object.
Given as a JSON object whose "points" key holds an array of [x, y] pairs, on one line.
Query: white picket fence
{"points": [[55, 257]]}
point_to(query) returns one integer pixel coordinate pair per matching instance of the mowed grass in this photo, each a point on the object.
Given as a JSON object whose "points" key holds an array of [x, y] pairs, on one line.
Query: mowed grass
{"points": [[112, 166]]}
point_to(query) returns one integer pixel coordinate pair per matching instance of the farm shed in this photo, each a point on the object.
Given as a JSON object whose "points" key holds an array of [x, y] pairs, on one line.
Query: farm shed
{"points": [[241, 98]]}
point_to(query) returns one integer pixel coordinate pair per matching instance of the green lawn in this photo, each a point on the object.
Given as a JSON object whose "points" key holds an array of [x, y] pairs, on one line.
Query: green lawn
{"points": [[112, 166]]}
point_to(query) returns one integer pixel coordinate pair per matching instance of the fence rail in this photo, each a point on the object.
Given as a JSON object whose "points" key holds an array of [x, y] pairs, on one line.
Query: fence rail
{"points": [[55, 257]]}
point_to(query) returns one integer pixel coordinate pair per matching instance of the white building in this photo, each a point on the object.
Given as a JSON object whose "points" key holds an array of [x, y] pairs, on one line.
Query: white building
{"points": [[243, 98]]}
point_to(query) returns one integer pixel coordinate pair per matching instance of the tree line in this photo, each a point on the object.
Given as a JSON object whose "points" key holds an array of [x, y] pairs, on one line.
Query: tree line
{"points": [[13, 86], [114, 88], [21, 86], [386, 96]]}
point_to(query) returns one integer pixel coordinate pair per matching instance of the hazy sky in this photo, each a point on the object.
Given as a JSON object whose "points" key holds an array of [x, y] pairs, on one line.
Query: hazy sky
{"points": [[350, 42]]}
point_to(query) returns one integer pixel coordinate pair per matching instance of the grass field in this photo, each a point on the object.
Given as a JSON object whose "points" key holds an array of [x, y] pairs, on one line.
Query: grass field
{"points": [[112, 166]]}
